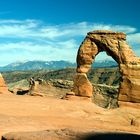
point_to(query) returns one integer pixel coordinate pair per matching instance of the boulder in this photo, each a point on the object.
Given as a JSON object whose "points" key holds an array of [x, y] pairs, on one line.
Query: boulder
{"points": [[82, 86]]}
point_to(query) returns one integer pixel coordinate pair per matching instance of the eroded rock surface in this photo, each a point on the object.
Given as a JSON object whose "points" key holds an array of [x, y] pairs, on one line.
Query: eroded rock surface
{"points": [[36, 114], [105, 96], [60, 134], [68, 134], [82, 86], [115, 45]]}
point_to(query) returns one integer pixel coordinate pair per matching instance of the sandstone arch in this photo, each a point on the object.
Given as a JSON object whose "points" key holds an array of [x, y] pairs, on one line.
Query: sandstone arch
{"points": [[115, 45]]}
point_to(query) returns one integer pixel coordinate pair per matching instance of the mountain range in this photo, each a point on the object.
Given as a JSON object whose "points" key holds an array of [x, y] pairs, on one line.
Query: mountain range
{"points": [[51, 65]]}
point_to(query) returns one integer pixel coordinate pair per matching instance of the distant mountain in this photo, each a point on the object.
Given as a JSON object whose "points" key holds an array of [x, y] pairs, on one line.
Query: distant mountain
{"points": [[37, 65], [105, 63], [51, 65]]}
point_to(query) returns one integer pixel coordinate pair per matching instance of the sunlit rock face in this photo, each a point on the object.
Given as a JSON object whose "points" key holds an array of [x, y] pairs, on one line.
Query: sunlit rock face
{"points": [[3, 86], [115, 45]]}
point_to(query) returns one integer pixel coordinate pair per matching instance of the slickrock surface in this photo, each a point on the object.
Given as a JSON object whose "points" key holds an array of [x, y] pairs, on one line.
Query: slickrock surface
{"points": [[31, 113], [68, 134]]}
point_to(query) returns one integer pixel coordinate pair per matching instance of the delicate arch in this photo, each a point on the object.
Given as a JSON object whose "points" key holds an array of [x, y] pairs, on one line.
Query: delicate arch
{"points": [[115, 45]]}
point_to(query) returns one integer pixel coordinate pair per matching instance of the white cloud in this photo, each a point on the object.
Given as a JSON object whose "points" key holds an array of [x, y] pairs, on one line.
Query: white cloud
{"points": [[30, 51], [37, 29], [16, 28], [120, 28], [81, 29], [34, 39], [134, 38]]}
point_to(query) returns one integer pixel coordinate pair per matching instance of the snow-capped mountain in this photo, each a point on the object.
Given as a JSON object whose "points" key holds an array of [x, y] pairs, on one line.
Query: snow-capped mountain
{"points": [[37, 65], [51, 65], [104, 63]]}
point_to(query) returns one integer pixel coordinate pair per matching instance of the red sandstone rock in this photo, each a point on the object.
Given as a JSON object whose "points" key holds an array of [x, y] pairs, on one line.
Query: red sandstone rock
{"points": [[130, 83], [82, 86], [77, 98], [115, 45]]}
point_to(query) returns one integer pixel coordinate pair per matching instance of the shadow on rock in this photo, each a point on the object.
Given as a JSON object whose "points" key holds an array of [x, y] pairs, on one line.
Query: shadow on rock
{"points": [[22, 92], [111, 136], [67, 134]]}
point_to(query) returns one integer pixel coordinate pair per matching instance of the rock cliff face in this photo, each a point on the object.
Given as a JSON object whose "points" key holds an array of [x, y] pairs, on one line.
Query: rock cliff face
{"points": [[3, 86], [115, 45]]}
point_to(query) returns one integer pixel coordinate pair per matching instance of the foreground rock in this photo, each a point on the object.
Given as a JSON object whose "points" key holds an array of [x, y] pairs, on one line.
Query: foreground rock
{"points": [[60, 134], [68, 134], [115, 45]]}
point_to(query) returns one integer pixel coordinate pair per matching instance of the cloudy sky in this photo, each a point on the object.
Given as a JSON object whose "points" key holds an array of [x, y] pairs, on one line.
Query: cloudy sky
{"points": [[53, 29]]}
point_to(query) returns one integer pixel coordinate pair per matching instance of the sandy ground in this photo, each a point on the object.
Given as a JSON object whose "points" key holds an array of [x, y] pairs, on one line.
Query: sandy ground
{"points": [[33, 113]]}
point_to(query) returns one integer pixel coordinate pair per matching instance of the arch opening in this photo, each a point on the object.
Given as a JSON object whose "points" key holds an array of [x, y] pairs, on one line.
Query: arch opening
{"points": [[105, 78]]}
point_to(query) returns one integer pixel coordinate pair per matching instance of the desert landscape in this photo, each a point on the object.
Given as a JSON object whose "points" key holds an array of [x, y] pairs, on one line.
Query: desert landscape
{"points": [[32, 118], [80, 103]]}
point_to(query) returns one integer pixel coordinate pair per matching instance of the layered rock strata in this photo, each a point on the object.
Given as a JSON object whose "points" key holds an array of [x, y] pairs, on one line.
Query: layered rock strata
{"points": [[115, 45]]}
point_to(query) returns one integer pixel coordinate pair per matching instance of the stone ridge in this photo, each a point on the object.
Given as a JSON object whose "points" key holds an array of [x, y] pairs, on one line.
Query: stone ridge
{"points": [[107, 33]]}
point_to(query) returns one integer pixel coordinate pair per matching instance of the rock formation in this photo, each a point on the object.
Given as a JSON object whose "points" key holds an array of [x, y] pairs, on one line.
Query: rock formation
{"points": [[68, 134], [115, 45], [3, 86]]}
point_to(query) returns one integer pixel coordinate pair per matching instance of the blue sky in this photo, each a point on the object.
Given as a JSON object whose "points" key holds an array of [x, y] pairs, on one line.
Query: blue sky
{"points": [[53, 29]]}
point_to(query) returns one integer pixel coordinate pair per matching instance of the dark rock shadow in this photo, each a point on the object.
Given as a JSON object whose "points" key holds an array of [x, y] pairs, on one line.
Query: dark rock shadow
{"points": [[112, 136], [22, 92], [66, 134]]}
